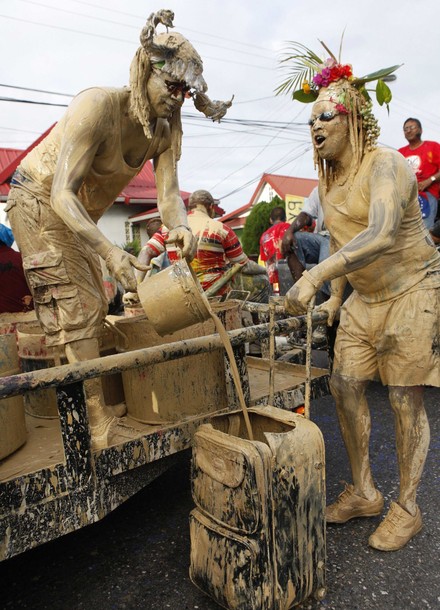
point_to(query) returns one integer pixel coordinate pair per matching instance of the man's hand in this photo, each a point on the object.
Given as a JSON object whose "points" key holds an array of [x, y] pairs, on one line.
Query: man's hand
{"points": [[423, 185], [331, 306], [130, 298], [253, 268], [120, 264], [183, 237], [299, 296], [27, 302]]}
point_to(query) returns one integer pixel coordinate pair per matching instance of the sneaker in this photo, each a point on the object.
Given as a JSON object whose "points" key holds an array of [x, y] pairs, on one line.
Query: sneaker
{"points": [[349, 505], [396, 529]]}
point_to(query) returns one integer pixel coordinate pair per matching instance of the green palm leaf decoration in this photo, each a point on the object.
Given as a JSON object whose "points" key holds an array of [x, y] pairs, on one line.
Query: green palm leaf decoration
{"points": [[302, 64]]}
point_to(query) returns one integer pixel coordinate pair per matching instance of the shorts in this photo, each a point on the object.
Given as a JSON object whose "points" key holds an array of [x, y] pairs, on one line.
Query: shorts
{"points": [[62, 271], [396, 342]]}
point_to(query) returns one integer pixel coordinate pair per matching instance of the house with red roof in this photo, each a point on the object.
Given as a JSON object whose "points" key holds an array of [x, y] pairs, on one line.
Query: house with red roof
{"points": [[292, 190]]}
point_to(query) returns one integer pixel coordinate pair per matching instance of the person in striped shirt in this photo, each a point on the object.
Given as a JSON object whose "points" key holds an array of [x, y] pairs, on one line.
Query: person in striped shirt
{"points": [[217, 245]]}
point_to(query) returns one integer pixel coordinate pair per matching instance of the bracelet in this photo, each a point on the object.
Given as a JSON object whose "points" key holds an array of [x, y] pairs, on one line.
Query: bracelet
{"points": [[433, 178], [311, 279]]}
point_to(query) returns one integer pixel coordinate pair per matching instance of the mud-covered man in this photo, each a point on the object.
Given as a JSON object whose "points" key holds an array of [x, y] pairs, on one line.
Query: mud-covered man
{"points": [[65, 184], [389, 326]]}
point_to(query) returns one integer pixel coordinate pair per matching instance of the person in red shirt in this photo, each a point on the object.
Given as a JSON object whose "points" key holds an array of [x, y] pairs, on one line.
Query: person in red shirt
{"points": [[270, 244], [424, 159], [15, 294]]}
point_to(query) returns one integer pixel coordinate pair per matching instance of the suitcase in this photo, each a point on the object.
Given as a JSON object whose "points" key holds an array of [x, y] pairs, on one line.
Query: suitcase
{"points": [[258, 529]]}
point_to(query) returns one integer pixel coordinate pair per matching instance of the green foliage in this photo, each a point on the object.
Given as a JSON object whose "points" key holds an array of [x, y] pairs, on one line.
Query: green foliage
{"points": [[256, 223], [383, 93], [133, 247], [301, 64]]}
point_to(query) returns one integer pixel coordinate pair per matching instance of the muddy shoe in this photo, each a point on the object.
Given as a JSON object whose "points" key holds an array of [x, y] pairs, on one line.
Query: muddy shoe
{"points": [[349, 505], [396, 529]]}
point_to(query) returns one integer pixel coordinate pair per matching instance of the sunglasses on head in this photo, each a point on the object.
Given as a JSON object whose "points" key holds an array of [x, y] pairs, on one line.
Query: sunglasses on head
{"points": [[324, 117]]}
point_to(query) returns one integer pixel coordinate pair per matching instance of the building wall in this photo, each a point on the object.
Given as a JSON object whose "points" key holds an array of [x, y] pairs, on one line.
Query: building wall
{"points": [[267, 194], [112, 224]]}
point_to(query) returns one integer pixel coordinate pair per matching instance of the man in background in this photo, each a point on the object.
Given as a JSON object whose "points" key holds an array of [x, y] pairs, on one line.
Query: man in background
{"points": [[302, 248], [157, 263], [424, 159], [217, 245], [270, 245]]}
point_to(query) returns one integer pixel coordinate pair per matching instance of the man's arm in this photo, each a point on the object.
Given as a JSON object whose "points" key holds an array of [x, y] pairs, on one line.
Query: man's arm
{"points": [[84, 134], [253, 268], [302, 220], [171, 207]]}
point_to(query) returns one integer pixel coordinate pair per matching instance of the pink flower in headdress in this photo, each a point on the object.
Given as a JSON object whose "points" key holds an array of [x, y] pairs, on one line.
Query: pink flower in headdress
{"points": [[331, 72]]}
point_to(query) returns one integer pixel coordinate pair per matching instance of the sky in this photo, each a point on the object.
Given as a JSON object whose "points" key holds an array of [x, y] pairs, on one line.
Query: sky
{"points": [[62, 48]]}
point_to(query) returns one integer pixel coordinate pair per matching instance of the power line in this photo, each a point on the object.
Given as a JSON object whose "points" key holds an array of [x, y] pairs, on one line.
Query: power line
{"points": [[94, 35], [13, 99], [36, 90], [237, 42], [279, 125], [135, 27]]}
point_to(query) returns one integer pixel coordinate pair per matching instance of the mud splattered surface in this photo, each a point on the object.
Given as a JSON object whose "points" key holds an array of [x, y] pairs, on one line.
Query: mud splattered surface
{"points": [[137, 558]]}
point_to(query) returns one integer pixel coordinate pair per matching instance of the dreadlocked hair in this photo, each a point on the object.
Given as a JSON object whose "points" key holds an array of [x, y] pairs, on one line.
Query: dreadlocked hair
{"points": [[140, 69]]}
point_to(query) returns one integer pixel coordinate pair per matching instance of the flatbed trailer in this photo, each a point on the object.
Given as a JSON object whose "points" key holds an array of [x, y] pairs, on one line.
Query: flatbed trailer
{"points": [[56, 484]]}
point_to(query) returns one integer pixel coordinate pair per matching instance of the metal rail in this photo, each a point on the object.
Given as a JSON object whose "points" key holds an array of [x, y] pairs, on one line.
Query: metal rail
{"points": [[109, 365]]}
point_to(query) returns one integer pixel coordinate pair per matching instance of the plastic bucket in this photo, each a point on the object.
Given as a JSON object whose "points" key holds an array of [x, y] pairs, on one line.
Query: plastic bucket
{"points": [[10, 321], [12, 420], [131, 311], [173, 299], [35, 355]]}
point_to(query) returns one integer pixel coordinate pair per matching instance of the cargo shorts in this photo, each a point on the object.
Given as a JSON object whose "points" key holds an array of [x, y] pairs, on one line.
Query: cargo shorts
{"points": [[63, 272], [396, 341]]}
